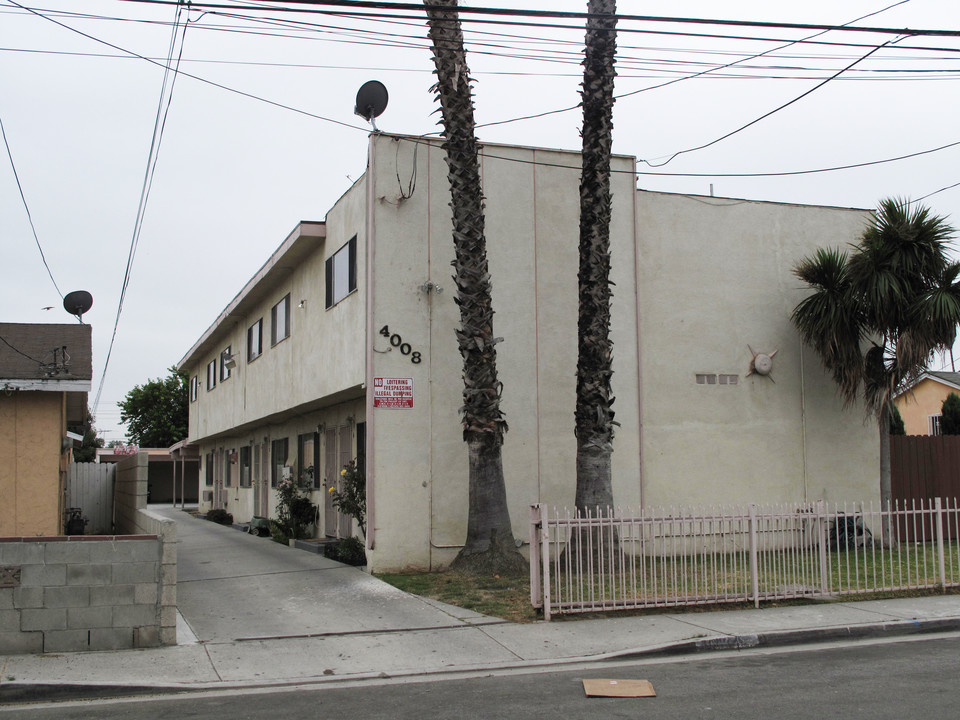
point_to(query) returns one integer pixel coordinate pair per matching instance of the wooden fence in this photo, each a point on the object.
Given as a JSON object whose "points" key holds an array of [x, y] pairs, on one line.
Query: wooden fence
{"points": [[90, 488], [925, 466]]}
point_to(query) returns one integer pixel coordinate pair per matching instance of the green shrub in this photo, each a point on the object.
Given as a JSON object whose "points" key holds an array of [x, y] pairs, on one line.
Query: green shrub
{"points": [[349, 551], [220, 516]]}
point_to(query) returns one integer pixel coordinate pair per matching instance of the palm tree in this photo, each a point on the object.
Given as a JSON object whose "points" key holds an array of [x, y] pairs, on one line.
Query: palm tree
{"points": [[490, 544], [878, 315], [594, 412]]}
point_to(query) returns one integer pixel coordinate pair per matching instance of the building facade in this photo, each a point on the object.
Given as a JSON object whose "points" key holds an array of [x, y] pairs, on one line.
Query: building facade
{"points": [[921, 404], [45, 375], [343, 346]]}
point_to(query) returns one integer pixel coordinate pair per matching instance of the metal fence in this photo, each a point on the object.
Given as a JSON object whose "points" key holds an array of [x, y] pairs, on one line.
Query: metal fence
{"points": [[606, 561]]}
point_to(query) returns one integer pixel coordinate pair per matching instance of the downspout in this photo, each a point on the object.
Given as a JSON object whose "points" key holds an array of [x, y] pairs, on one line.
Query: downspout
{"points": [[636, 307], [370, 449]]}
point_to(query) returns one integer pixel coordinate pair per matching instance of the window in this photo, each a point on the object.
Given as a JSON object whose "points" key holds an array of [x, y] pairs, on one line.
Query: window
{"points": [[341, 273], [933, 422], [226, 363], [208, 470], [278, 459], [245, 466], [706, 379], [280, 321], [194, 388], [255, 340], [728, 379], [211, 375]]}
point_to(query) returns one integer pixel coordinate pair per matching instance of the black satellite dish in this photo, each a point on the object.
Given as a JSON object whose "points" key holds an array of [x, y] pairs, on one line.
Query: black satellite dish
{"points": [[372, 98], [77, 303]]}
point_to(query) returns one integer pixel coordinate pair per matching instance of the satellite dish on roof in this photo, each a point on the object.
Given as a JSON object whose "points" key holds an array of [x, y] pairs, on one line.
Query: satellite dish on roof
{"points": [[372, 98], [77, 303]]}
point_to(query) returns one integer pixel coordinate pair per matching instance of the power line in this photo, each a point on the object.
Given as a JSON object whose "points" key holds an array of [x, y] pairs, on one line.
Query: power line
{"points": [[186, 74], [26, 207], [550, 14], [159, 124], [19, 351], [771, 112], [948, 187]]}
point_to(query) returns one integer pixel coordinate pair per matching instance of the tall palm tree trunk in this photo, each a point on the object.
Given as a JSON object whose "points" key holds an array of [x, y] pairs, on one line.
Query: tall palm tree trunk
{"points": [[489, 544], [594, 413]]}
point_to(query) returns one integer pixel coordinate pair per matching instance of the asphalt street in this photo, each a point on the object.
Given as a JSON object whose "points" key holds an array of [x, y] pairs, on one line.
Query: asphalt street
{"points": [[915, 678]]}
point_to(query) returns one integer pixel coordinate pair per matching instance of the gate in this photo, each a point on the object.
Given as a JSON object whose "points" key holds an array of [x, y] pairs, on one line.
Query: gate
{"points": [[90, 488]]}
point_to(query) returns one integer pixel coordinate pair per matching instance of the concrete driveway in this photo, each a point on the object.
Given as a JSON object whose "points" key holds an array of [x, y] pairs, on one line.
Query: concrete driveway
{"points": [[233, 586]]}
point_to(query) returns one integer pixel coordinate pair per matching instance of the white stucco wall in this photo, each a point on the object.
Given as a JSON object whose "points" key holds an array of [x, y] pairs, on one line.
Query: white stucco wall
{"points": [[715, 280], [532, 231]]}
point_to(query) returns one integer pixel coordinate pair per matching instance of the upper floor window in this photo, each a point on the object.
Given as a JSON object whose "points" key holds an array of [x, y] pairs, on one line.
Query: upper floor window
{"points": [[280, 320], [194, 388], [341, 273], [227, 362], [211, 374], [934, 424], [255, 340]]}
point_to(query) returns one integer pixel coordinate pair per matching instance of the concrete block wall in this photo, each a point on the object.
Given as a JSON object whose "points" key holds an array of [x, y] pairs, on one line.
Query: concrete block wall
{"points": [[132, 517], [93, 592]]}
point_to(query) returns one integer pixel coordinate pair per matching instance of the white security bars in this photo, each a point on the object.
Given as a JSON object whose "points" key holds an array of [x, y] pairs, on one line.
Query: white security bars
{"points": [[606, 561]]}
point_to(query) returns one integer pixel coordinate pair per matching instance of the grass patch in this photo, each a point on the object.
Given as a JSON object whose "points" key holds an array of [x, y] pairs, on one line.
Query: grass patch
{"points": [[503, 597]]}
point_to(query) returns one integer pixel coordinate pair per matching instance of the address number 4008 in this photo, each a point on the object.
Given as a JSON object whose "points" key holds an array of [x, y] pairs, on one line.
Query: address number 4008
{"points": [[397, 342]]}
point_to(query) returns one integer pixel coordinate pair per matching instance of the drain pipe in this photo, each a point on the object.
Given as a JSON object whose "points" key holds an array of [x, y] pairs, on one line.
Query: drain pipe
{"points": [[371, 449]]}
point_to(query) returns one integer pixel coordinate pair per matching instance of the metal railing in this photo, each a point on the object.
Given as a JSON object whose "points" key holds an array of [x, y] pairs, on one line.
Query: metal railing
{"points": [[604, 561]]}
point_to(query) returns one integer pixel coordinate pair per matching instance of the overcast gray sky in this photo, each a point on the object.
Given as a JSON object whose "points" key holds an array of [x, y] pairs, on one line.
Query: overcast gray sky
{"points": [[236, 170]]}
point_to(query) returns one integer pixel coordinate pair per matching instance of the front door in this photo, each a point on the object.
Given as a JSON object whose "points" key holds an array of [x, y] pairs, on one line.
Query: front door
{"points": [[331, 474], [219, 495], [346, 455], [261, 481]]}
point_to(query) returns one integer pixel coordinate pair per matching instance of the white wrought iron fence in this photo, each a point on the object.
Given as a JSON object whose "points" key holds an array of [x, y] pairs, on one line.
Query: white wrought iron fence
{"points": [[605, 561]]}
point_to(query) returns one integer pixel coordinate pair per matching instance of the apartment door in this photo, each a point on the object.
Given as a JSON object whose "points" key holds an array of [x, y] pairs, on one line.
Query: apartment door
{"points": [[261, 481], [331, 476], [219, 494], [346, 455]]}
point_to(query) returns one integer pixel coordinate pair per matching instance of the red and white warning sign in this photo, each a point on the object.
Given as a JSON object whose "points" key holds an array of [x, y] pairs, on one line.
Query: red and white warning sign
{"points": [[393, 392]]}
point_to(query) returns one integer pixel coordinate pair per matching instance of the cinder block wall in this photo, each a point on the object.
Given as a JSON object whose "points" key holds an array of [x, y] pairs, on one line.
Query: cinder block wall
{"points": [[63, 594], [104, 592]]}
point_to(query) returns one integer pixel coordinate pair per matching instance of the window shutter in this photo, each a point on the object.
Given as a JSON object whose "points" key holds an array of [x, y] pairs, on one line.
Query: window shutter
{"points": [[329, 281], [352, 250]]}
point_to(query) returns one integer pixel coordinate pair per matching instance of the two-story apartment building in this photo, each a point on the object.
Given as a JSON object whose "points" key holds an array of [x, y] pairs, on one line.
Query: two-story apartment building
{"points": [[343, 346]]}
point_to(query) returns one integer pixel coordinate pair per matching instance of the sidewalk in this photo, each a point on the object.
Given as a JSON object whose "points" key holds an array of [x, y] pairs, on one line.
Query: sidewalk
{"points": [[364, 628]]}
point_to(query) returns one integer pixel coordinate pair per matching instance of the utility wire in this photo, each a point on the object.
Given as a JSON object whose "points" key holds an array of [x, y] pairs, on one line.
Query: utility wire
{"points": [[948, 187], [19, 351], [159, 124], [771, 112], [695, 75], [26, 207], [297, 6], [186, 74]]}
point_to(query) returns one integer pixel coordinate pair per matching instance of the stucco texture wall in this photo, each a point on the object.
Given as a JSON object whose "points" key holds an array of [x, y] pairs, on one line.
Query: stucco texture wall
{"points": [[920, 402], [715, 281], [31, 431]]}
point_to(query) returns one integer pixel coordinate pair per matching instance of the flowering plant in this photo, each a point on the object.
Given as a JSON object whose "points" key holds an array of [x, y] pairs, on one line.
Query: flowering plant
{"points": [[351, 497], [295, 512]]}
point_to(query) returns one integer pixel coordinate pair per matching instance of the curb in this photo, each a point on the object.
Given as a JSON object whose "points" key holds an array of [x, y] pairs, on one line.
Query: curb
{"points": [[14, 693], [782, 638]]}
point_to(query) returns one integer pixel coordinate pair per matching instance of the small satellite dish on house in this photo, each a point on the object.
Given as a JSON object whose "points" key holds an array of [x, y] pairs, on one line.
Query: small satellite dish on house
{"points": [[77, 303], [372, 98]]}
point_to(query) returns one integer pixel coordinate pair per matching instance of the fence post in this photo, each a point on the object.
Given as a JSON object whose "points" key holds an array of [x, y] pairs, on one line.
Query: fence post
{"points": [[545, 560], [754, 573], [941, 567], [536, 598], [822, 543]]}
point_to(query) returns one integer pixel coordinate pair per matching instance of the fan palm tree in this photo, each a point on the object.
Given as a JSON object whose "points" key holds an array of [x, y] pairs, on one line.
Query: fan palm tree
{"points": [[594, 412], [489, 544], [878, 315]]}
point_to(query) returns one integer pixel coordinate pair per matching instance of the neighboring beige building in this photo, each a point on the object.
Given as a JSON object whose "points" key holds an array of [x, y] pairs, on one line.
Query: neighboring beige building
{"points": [[921, 404], [45, 373], [343, 346]]}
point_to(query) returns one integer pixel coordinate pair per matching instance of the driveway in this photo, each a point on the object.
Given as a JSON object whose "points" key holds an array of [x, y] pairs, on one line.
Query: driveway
{"points": [[233, 586]]}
